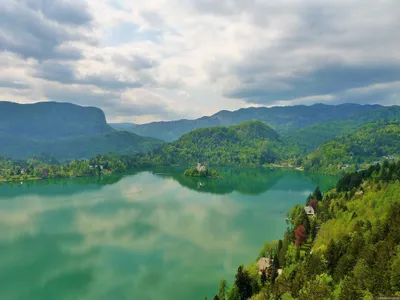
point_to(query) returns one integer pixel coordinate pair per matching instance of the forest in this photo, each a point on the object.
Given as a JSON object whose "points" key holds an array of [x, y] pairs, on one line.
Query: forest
{"points": [[251, 143], [350, 248], [44, 166], [370, 143]]}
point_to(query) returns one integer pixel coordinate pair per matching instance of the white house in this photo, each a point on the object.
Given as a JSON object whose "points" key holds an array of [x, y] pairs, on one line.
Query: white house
{"points": [[263, 264], [309, 210]]}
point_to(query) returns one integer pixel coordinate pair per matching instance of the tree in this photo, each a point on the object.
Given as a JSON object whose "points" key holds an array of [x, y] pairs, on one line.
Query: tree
{"points": [[273, 271], [216, 297], [350, 289], [318, 288], [331, 254], [313, 229], [300, 235], [243, 282], [263, 277], [395, 273], [233, 293], [317, 194], [314, 204], [222, 289]]}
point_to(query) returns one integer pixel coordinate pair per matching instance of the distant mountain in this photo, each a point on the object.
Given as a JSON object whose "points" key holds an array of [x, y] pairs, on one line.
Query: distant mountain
{"points": [[282, 119], [48, 120], [84, 147], [371, 142], [247, 143], [122, 126], [64, 131]]}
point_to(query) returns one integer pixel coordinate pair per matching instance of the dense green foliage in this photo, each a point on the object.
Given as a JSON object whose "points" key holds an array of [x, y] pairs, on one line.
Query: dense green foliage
{"points": [[371, 142], [48, 120], [42, 166], [309, 138], [282, 119], [349, 250], [254, 143], [248, 143]]}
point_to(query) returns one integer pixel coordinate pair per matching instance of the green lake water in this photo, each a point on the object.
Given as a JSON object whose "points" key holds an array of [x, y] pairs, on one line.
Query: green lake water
{"points": [[145, 235]]}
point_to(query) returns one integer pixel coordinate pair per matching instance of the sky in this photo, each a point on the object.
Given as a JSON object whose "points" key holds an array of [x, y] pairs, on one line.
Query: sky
{"points": [[143, 61]]}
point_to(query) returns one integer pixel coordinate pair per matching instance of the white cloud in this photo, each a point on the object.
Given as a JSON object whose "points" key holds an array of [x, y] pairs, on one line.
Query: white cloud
{"points": [[194, 57]]}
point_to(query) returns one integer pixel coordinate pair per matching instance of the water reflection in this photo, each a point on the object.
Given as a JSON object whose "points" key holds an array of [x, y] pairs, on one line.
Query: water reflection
{"points": [[139, 236], [247, 181]]}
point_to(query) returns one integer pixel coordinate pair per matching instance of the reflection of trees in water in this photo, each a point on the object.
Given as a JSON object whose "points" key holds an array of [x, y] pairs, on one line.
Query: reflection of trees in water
{"points": [[324, 181], [249, 181], [58, 186]]}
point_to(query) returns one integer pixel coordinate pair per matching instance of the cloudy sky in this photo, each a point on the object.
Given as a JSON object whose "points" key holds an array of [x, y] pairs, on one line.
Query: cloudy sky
{"points": [[150, 60]]}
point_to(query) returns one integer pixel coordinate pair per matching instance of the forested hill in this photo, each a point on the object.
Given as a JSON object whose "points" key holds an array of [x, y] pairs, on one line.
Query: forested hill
{"points": [[282, 119], [47, 120], [64, 131], [371, 142], [249, 143], [350, 248], [309, 138]]}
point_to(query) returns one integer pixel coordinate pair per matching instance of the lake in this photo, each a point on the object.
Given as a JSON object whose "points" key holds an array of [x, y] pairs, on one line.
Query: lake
{"points": [[141, 235]]}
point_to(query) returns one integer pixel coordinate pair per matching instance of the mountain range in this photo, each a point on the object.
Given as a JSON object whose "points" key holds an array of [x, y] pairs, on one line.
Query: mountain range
{"points": [[282, 119], [299, 135]]}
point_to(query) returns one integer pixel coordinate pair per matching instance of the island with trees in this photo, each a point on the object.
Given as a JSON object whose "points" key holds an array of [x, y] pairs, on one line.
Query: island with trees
{"points": [[201, 171]]}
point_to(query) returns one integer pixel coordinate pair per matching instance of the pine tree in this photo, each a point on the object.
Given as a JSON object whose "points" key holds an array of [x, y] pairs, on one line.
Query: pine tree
{"points": [[222, 289], [243, 282], [263, 277], [317, 194]]}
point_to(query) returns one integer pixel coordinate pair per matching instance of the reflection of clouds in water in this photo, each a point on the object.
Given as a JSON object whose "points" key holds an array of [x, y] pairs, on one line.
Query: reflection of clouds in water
{"points": [[137, 239], [37, 267], [185, 230], [179, 221]]}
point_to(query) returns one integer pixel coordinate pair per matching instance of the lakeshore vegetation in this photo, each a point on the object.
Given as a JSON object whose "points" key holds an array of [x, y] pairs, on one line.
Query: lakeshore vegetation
{"points": [[350, 248], [252, 143]]}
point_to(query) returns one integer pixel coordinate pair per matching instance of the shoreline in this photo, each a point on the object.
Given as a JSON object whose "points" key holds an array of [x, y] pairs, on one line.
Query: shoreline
{"points": [[271, 166]]}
